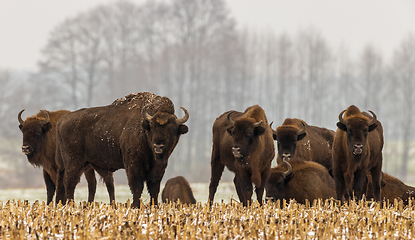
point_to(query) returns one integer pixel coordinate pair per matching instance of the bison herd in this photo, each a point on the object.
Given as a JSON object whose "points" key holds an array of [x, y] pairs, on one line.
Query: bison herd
{"points": [[139, 132]]}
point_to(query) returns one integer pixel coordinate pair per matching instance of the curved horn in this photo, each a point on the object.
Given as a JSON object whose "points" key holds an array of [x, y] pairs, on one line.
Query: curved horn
{"points": [[146, 116], [229, 119], [184, 118], [19, 117], [302, 130], [290, 169], [270, 125], [258, 124], [374, 118], [341, 119], [46, 117]]}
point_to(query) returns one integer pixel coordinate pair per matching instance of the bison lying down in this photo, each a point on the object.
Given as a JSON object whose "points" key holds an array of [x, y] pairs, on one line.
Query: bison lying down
{"points": [[300, 180], [39, 145], [392, 188], [178, 188]]}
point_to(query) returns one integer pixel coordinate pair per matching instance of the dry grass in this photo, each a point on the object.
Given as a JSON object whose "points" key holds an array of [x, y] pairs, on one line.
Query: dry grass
{"points": [[319, 220]]}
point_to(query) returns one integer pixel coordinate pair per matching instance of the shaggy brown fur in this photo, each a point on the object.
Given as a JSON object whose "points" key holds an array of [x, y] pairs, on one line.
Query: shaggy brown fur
{"points": [[137, 133], [307, 181], [245, 146], [391, 188], [314, 144], [178, 188], [357, 151], [39, 145]]}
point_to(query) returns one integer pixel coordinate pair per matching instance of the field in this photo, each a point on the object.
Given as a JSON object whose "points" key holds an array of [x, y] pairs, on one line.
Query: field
{"points": [[23, 216]]}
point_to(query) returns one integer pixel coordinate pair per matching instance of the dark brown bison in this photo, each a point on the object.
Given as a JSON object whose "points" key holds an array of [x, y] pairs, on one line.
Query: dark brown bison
{"points": [[391, 188], [137, 133], [297, 139], [357, 151], [178, 188], [39, 145], [243, 143], [300, 180]]}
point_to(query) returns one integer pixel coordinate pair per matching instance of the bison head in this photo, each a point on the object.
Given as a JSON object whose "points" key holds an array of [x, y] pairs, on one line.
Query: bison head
{"points": [[357, 126], [278, 179], [34, 130], [163, 131], [287, 137], [245, 133]]}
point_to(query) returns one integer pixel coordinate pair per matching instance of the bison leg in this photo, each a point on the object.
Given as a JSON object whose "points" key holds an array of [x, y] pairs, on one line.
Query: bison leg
{"points": [[340, 186], [359, 183], [376, 178], [50, 187], [216, 173], [136, 184], [92, 183], [260, 190], [108, 178], [244, 188], [154, 189], [60, 188], [72, 176]]}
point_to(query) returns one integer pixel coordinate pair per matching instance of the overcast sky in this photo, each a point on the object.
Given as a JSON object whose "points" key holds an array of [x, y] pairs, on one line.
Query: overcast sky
{"points": [[25, 24]]}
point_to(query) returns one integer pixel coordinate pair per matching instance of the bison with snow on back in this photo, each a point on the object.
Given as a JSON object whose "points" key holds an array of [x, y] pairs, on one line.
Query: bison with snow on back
{"points": [[242, 141], [178, 189], [357, 152], [300, 180], [297, 139], [39, 146], [137, 133], [392, 188]]}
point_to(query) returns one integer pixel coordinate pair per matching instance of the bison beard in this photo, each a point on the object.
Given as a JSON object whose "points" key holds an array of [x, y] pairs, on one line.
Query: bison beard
{"points": [[137, 133], [357, 151], [176, 189], [243, 143], [39, 145]]}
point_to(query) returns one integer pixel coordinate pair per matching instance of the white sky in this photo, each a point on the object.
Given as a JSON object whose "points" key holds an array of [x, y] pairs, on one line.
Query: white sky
{"points": [[25, 24]]}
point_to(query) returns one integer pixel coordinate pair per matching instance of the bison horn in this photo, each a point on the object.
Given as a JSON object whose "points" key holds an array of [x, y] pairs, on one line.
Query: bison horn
{"points": [[46, 117], [184, 118], [290, 169], [302, 130], [19, 117], [146, 116], [341, 119], [270, 125], [258, 124], [229, 119], [374, 118]]}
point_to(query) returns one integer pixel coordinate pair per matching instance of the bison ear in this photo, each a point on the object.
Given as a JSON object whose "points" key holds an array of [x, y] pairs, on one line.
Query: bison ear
{"points": [[183, 129], [341, 126], [274, 136], [259, 130], [146, 125], [301, 136], [20, 126], [230, 130], [47, 127], [372, 127]]}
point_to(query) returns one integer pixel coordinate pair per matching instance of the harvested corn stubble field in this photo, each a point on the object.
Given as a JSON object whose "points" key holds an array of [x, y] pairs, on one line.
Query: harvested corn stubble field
{"points": [[318, 220]]}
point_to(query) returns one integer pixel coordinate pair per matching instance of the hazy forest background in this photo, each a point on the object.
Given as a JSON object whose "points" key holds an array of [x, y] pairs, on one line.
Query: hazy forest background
{"points": [[193, 53]]}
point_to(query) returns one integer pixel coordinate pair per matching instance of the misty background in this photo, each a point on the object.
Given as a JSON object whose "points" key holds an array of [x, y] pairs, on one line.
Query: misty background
{"points": [[194, 53]]}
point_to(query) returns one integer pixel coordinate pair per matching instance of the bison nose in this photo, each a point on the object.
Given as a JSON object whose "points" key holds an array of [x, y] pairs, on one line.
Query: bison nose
{"points": [[236, 151], [286, 156], [358, 149], [26, 149], [158, 148]]}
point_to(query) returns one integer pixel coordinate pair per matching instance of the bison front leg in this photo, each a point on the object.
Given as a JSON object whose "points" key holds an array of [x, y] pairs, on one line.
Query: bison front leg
{"points": [[154, 189], [92, 183], [376, 173], [136, 184], [216, 173], [244, 188], [50, 187], [340, 186], [359, 183], [260, 190]]}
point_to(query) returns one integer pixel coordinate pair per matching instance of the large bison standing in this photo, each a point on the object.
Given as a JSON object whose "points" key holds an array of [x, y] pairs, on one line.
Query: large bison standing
{"points": [[297, 139], [137, 133], [357, 151], [39, 146], [300, 180], [243, 143]]}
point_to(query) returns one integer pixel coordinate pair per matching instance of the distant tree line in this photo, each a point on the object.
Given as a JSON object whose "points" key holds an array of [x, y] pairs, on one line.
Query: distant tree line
{"points": [[193, 52]]}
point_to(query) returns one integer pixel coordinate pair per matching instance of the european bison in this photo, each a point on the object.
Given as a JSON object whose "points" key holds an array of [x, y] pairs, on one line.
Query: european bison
{"points": [[137, 133], [178, 188], [296, 139], [357, 151], [301, 180], [39, 145], [392, 188], [243, 143]]}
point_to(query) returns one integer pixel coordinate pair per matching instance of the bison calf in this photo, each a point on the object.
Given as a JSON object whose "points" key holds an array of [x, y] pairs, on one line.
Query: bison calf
{"points": [[178, 188], [300, 180]]}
